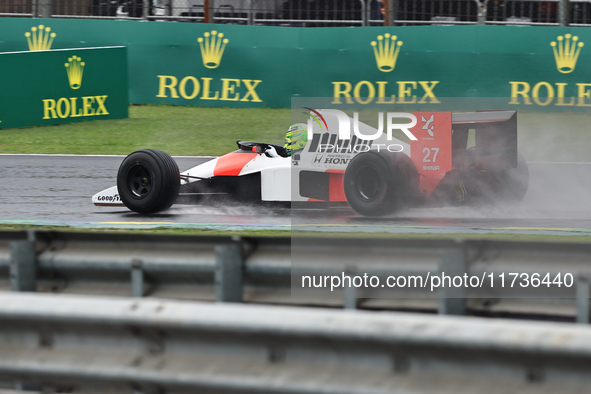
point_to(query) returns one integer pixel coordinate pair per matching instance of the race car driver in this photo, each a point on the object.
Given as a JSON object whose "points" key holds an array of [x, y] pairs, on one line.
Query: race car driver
{"points": [[296, 138]]}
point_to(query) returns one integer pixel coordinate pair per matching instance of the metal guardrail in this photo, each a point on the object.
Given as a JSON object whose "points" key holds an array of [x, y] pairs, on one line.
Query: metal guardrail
{"points": [[311, 13], [66, 343], [143, 265], [259, 270]]}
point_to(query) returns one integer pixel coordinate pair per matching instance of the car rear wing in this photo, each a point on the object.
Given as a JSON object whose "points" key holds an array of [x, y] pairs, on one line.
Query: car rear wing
{"points": [[495, 133]]}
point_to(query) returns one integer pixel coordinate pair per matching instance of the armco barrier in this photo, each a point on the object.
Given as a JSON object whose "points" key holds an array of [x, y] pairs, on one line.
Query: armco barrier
{"points": [[259, 270], [262, 66], [61, 343], [62, 86]]}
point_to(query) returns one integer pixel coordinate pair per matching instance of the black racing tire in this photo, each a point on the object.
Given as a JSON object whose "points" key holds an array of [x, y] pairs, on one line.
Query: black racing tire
{"points": [[148, 181], [513, 183], [380, 183]]}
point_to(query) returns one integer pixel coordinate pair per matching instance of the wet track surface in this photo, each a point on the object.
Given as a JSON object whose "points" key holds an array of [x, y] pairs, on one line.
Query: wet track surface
{"points": [[57, 190]]}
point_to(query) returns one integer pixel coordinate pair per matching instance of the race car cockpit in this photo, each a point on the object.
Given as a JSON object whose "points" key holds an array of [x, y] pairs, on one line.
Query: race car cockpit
{"points": [[270, 150]]}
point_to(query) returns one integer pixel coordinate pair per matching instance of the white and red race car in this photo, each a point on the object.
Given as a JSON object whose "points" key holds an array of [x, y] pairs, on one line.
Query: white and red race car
{"points": [[439, 168]]}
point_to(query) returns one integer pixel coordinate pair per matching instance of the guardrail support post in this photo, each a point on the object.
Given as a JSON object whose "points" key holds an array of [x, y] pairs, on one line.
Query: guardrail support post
{"points": [[583, 299], [23, 266], [350, 292], [137, 279], [452, 300], [228, 273], [20, 386]]}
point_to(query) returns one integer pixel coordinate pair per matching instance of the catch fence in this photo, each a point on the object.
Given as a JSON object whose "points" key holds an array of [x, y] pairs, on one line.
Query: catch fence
{"points": [[316, 13]]}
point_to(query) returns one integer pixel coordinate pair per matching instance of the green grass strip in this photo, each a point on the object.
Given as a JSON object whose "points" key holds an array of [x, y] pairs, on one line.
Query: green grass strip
{"points": [[184, 131]]}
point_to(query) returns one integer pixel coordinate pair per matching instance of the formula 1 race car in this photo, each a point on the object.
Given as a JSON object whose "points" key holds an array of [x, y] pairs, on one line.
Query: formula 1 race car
{"points": [[456, 159]]}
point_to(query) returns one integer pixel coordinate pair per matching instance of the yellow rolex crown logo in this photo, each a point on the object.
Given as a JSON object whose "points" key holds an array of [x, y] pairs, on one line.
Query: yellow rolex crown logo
{"points": [[212, 48], [566, 52], [74, 68], [40, 38], [386, 52]]}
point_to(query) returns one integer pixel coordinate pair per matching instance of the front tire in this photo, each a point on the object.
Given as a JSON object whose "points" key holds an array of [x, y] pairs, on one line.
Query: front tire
{"points": [[379, 183], [148, 181]]}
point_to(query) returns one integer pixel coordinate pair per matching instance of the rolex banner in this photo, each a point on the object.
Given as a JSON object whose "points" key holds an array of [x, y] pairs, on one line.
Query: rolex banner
{"points": [[532, 67], [62, 86]]}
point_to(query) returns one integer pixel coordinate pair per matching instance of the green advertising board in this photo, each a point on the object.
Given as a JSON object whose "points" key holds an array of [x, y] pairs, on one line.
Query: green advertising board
{"points": [[62, 86], [265, 66]]}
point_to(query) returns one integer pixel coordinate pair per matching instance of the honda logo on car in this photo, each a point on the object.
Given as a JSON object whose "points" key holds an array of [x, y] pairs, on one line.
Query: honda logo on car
{"points": [[337, 160], [331, 159]]}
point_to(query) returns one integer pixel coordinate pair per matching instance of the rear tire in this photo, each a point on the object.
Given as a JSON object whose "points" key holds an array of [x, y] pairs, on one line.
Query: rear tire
{"points": [[148, 181], [379, 183], [513, 183]]}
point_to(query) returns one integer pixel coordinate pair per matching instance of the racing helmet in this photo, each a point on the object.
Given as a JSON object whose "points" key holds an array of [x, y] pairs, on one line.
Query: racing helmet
{"points": [[296, 138]]}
